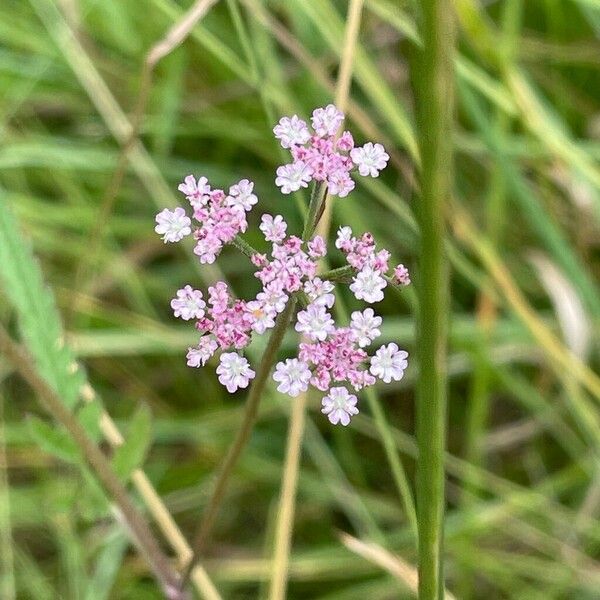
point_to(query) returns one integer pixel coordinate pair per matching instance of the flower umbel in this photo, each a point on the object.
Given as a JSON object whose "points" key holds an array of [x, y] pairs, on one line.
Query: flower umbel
{"points": [[332, 358]]}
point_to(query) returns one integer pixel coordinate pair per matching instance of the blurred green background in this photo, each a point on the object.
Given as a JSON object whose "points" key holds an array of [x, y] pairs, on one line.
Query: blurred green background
{"points": [[523, 470]]}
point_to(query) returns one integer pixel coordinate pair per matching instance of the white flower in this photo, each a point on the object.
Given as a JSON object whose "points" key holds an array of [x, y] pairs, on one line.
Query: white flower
{"points": [[263, 315], [315, 322], [319, 291], [370, 159], [188, 304], [196, 193], [290, 178], [273, 228], [273, 296], [367, 285], [344, 237], [173, 225], [365, 326], [327, 121], [293, 377], [389, 363], [234, 371], [339, 406], [197, 357], [291, 132], [241, 195]]}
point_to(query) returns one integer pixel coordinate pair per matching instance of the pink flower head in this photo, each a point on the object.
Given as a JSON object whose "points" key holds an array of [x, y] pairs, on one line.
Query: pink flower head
{"points": [[339, 406], [291, 131], [365, 326], [315, 322], [195, 192], [188, 304], [241, 195], [234, 371], [198, 356], [173, 225], [317, 247], [326, 121], [273, 228], [401, 275], [320, 292], [293, 377]]}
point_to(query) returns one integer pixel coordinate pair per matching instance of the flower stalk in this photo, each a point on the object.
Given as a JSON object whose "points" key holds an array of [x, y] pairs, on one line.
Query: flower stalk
{"points": [[432, 74]]}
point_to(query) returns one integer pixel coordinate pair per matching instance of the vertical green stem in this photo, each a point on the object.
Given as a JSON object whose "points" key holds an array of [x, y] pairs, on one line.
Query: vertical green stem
{"points": [[433, 81]]}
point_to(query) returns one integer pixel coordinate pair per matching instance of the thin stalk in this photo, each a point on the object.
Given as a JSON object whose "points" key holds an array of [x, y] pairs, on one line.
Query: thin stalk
{"points": [[243, 435], [433, 81], [315, 209], [287, 500], [143, 536]]}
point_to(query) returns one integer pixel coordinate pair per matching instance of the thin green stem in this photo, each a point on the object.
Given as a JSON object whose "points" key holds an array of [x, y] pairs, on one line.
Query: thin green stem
{"points": [[241, 439], [244, 247], [433, 82], [143, 536], [315, 209]]}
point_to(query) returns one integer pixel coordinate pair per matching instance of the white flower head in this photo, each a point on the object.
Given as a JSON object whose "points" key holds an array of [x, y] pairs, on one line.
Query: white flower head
{"points": [[367, 285], [315, 322], [370, 159], [241, 195], [339, 406], [199, 355], [389, 363], [290, 178], [188, 304], [327, 121], [291, 131], [320, 292], [273, 228], [293, 376], [173, 225], [263, 315], [234, 371], [365, 326]]}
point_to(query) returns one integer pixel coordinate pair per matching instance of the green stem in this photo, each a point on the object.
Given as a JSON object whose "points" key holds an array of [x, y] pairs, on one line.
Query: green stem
{"points": [[315, 209], [144, 538], [241, 439], [433, 82], [339, 273], [244, 247]]}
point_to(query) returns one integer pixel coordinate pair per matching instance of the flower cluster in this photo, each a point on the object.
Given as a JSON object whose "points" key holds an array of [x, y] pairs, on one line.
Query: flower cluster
{"points": [[336, 355], [221, 216], [322, 155], [334, 359], [370, 265]]}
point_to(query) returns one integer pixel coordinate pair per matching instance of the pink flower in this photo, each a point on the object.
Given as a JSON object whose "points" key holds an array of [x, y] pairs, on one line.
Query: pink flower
{"points": [[320, 292], [293, 377], [196, 193], [240, 195], [198, 356], [234, 371], [188, 304], [317, 247], [173, 225], [370, 159], [291, 131], [315, 322], [290, 178], [273, 228], [327, 121], [344, 239], [263, 315], [365, 326], [389, 363], [401, 275], [339, 406]]}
